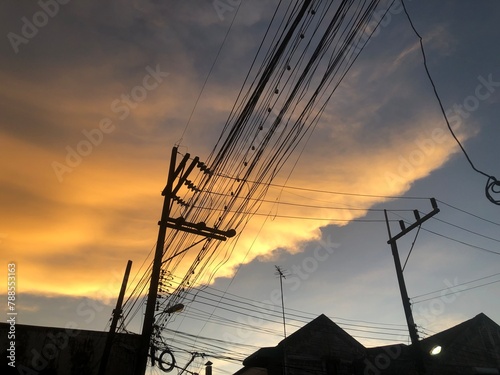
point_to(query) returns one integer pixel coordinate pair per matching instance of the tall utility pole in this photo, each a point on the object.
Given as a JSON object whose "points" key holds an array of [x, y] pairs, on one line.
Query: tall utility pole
{"points": [[147, 327], [177, 176], [417, 353]]}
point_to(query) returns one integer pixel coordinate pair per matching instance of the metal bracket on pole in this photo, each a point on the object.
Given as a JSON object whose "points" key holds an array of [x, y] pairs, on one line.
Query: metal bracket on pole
{"points": [[199, 228]]}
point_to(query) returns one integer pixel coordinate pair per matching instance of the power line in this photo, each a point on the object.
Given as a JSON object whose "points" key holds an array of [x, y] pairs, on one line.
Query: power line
{"points": [[256, 310], [467, 230], [461, 290], [284, 79], [454, 239], [455, 286], [209, 74], [284, 186], [463, 242], [469, 213]]}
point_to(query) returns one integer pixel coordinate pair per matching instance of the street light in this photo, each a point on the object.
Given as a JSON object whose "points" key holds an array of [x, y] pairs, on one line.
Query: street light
{"points": [[175, 308], [172, 309], [436, 350]]}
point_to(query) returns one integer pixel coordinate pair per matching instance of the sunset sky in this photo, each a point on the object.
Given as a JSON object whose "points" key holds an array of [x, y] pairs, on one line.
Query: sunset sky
{"points": [[95, 96]]}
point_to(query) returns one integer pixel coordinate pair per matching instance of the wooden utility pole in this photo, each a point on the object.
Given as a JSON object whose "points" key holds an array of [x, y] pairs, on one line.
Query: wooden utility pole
{"points": [[147, 328], [177, 176], [116, 315], [417, 353]]}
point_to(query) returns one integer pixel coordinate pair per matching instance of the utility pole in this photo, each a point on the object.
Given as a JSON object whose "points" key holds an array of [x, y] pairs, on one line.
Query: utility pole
{"points": [[177, 176], [147, 327], [117, 312], [417, 353], [282, 276]]}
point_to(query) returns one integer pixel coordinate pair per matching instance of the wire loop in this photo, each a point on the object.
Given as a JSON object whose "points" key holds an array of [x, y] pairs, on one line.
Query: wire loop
{"points": [[492, 186]]}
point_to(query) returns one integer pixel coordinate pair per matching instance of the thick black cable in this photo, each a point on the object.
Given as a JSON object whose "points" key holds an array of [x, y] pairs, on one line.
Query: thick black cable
{"points": [[492, 184]]}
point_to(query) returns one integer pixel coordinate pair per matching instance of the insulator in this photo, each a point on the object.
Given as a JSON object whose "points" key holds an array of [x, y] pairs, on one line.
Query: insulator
{"points": [[203, 167], [190, 185], [201, 225], [402, 224], [417, 214], [180, 220]]}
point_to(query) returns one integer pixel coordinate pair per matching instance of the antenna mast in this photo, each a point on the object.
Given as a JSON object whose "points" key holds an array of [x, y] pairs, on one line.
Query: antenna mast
{"points": [[282, 276]]}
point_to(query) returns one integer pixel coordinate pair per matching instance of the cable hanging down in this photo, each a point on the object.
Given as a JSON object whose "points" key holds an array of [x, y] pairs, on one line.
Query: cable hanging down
{"points": [[492, 184]]}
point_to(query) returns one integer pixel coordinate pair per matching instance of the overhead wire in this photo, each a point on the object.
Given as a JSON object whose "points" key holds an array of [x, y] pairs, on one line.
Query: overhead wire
{"points": [[292, 138], [492, 184], [481, 248], [209, 74], [467, 230], [463, 242], [253, 147], [455, 289], [469, 213], [411, 248], [248, 307]]}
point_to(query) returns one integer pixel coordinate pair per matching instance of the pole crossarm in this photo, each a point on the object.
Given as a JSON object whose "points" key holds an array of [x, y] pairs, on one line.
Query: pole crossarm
{"points": [[419, 221], [199, 228]]}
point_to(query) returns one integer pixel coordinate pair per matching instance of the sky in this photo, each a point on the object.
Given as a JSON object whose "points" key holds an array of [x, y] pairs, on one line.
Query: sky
{"points": [[94, 96]]}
